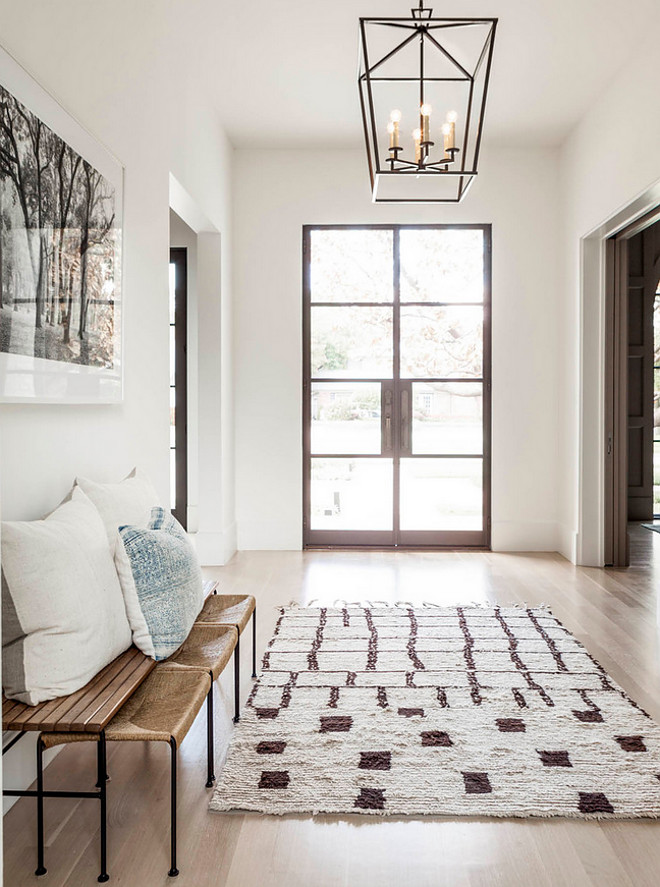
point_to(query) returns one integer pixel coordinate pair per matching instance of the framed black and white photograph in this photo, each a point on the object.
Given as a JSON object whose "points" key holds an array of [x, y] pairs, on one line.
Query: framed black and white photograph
{"points": [[60, 252]]}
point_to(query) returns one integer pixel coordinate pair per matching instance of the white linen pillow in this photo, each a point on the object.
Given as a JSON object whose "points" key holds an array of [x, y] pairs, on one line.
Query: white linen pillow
{"points": [[63, 610], [128, 502]]}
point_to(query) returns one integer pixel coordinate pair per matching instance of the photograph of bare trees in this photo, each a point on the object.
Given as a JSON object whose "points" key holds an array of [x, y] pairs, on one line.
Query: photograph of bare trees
{"points": [[59, 246]]}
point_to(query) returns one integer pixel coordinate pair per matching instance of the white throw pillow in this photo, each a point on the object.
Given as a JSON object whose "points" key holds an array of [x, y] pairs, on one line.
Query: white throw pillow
{"points": [[128, 502], [63, 610]]}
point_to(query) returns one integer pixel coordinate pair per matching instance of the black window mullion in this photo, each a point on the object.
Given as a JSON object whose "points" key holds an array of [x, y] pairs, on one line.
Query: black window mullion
{"points": [[396, 376]]}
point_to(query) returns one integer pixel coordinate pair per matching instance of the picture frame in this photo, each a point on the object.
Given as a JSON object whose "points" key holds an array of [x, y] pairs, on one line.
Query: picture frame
{"points": [[61, 231]]}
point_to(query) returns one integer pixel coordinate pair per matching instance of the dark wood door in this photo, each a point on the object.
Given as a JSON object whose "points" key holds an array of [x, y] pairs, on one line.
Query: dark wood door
{"points": [[642, 284], [396, 386]]}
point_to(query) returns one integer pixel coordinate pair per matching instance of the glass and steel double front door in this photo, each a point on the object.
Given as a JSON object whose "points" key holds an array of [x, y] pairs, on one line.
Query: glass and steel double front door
{"points": [[396, 386]]}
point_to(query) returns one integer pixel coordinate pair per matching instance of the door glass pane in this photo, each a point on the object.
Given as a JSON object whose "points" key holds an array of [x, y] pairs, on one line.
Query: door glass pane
{"points": [[442, 265], [345, 417], [447, 417], [351, 342], [441, 494], [441, 342], [351, 494], [351, 266]]}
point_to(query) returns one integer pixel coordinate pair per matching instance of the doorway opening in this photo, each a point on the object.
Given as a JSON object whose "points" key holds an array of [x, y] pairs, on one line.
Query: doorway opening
{"points": [[396, 386], [632, 362]]}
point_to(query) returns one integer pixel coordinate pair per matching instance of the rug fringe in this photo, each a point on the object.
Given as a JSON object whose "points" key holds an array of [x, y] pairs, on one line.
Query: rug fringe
{"points": [[272, 810], [341, 604]]}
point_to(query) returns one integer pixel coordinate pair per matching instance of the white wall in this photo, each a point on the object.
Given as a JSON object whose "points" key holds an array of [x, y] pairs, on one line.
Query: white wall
{"points": [[276, 193], [128, 72], [611, 160]]}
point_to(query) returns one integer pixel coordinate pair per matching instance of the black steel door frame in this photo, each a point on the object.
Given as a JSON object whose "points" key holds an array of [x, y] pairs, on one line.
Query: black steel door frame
{"points": [[179, 258], [398, 446]]}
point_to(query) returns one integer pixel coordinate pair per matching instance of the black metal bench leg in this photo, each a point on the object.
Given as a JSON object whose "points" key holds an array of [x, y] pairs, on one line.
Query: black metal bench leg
{"points": [[41, 868], [237, 679], [173, 872], [210, 756], [102, 777], [254, 642]]}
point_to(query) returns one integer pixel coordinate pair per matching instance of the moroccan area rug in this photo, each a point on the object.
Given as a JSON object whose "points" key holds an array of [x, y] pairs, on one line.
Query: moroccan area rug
{"points": [[458, 711]]}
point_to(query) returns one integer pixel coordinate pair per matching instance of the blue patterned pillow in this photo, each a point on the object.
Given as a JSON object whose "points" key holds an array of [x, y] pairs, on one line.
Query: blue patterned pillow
{"points": [[162, 583]]}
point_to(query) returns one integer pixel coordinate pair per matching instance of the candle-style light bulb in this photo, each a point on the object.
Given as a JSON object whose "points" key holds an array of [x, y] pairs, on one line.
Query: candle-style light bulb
{"points": [[425, 113], [390, 129], [417, 136], [452, 117], [393, 128], [447, 139]]}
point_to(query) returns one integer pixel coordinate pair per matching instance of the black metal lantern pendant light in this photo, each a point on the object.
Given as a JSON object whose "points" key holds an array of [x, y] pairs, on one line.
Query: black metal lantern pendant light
{"points": [[423, 86]]}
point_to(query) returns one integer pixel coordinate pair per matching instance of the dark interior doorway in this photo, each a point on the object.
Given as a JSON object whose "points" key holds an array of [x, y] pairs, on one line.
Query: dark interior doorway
{"points": [[632, 385]]}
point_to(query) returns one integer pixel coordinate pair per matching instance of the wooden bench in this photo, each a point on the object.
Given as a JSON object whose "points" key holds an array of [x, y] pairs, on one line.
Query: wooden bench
{"points": [[137, 699], [86, 712]]}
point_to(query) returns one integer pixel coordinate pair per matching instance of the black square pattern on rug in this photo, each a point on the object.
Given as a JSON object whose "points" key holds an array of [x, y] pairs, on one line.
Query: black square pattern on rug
{"points": [[594, 802], [411, 712], [511, 725], [477, 783], [631, 743], [273, 747], [267, 713], [555, 759], [274, 779], [589, 716], [436, 738], [375, 760], [336, 724], [371, 799]]}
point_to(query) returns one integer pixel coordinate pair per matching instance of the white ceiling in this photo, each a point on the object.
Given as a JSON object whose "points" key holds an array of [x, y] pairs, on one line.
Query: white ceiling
{"points": [[285, 70]]}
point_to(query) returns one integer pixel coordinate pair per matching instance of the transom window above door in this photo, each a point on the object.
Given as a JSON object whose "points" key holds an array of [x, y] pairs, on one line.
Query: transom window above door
{"points": [[396, 417]]}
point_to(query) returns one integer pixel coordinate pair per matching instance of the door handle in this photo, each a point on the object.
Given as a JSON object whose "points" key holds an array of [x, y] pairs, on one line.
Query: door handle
{"points": [[405, 420], [388, 420]]}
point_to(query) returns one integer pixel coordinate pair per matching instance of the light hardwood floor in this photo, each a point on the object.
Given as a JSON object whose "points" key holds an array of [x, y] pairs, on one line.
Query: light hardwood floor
{"points": [[615, 613]]}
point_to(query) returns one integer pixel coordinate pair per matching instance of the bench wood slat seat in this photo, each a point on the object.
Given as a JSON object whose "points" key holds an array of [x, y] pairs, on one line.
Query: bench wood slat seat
{"points": [[89, 709]]}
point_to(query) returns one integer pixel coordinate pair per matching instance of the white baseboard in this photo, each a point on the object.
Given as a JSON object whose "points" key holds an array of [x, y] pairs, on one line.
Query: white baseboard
{"points": [[524, 536]]}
